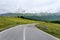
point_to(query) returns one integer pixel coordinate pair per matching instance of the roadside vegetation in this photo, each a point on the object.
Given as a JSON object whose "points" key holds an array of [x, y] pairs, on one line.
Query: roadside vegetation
{"points": [[7, 22], [51, 28]]}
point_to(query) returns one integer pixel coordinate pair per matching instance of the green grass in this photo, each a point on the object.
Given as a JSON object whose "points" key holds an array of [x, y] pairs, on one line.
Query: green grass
{"points": [[53, 29], [7, 22]]}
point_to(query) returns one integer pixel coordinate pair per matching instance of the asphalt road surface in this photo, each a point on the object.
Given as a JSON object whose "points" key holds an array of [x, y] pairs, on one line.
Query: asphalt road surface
{"points": [[25, 32]]}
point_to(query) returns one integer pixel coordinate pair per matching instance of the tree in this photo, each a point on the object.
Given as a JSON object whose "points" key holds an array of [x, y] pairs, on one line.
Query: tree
{"points": [[22, 17], [18, 16]]}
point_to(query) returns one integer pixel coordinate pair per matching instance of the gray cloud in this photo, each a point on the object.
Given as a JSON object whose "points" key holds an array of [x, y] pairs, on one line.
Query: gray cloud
{"points": [[40, 5]]}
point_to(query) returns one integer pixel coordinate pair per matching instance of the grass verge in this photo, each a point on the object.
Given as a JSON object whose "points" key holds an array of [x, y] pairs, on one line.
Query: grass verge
{"points": [[51, 28]]}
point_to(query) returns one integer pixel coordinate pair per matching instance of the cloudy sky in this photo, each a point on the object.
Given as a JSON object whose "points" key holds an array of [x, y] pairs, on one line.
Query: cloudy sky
{"points": [[29, 5]]}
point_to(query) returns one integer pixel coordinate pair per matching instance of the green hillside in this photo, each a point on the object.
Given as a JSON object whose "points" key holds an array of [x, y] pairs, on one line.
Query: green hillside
{"points": [[36, 16], [7, 22], [51, 28]]}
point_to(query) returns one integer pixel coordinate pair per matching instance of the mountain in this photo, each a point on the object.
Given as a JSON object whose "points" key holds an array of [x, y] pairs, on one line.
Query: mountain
{"points": [[36, 16], [11, 14], [44, 16]]}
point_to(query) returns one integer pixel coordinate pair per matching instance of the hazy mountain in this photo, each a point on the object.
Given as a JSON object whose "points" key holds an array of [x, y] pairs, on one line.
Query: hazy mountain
{"points": [[37, 16], [11, 14]]}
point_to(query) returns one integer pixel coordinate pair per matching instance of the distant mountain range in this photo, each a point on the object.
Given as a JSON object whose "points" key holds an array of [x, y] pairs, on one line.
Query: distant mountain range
{"points": [[37, 16]]}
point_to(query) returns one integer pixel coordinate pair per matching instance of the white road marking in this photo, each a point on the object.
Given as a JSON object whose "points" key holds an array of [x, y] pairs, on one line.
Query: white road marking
{"points": [[24, 33]]}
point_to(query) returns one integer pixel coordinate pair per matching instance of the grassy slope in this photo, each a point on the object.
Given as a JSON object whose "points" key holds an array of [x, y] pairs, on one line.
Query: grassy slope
{"points": [[7, 22], [52, 28]]}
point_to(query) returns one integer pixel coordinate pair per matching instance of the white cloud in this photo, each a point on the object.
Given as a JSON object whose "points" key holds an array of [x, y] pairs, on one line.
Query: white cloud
{"points": [[36, 5]]}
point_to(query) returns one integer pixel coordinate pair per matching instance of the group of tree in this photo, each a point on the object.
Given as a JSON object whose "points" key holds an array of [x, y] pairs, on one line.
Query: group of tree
{"points": [[20, 16]]}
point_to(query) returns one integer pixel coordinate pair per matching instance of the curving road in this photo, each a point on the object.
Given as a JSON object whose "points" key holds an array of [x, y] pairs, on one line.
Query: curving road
{"points": [[25, 32]]}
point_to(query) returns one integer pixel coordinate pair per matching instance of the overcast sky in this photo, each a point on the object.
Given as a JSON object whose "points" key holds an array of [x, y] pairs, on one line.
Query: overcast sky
{"points": [[34, 5]]}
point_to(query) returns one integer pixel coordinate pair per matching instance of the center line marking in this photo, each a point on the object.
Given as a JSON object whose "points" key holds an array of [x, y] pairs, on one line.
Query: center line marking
{"points": [[24, 33]]}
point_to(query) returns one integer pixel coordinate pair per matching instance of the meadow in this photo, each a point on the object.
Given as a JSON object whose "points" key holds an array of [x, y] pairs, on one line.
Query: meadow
{"points": [[7, 22], [51, 28]]}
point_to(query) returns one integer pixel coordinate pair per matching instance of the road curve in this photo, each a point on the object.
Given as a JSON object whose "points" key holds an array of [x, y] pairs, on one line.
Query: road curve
{"points": [[25, 32]]}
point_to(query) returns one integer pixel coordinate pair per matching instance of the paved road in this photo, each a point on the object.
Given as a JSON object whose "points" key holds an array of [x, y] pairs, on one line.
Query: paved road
{"points": [[25, 32]]}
